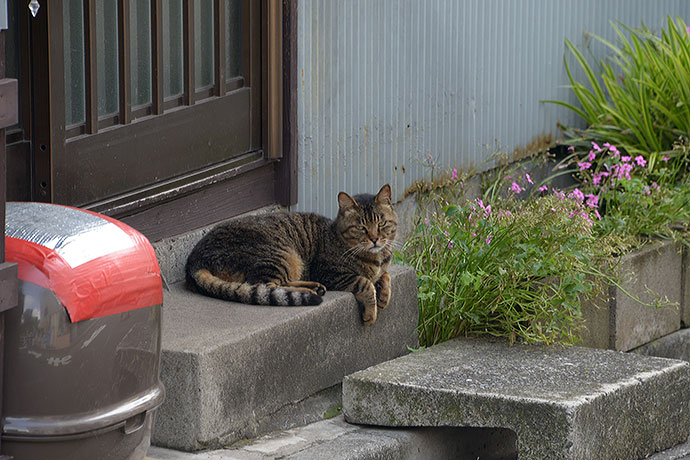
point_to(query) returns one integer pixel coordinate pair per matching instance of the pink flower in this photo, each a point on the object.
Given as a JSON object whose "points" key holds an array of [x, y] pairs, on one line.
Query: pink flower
{"points": [[529, 179], [655, 186], [665, 159], [596, 147], [515, 187], [577, 194], [488, 239], [543, 188], [455, 174], [584, 165], [640, 161], [426, 222], [592, 156], [646, 190], [626, 158], [687, 30], [592, 200], [558, 193], [612, 150], [596, 213], [596, 178]]}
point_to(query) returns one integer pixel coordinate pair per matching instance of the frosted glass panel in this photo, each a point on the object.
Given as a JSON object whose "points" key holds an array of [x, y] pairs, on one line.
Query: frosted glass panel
{"points": [[203, 43], [233, 38], [140, 51], [73, 35], [106, 55], [173, 70]]}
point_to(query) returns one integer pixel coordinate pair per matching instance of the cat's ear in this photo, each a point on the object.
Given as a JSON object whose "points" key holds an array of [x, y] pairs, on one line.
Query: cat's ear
{"points": [[346, 202], [384, 195]]}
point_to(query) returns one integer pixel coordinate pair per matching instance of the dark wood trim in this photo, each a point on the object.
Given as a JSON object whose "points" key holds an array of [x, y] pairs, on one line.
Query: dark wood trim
{"points": [[124, 63], [41, 62], [153, 195], [286, 169], [272, 50], [91, 67], [219, 48], [249, 191], [157, 56], [79, 178], [251, 10], [188, 41]]}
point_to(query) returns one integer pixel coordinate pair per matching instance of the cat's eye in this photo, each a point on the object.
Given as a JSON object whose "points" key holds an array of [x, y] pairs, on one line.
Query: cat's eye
{"points": [[383, 223], [362, 228]]}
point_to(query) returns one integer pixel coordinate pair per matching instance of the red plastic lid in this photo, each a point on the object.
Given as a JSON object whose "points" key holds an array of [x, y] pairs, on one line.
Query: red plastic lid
{"points": [[96, 266]]}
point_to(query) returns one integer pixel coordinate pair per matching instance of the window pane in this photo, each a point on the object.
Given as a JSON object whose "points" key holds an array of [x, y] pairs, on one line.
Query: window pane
{"points": [[73, 19], [173, 72], [233, 38], [140, 51], [203, 43], [107, 57]]}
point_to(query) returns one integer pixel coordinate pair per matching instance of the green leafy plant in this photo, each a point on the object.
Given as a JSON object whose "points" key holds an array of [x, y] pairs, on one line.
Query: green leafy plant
{"points": [[640, 98], [520, 271]]}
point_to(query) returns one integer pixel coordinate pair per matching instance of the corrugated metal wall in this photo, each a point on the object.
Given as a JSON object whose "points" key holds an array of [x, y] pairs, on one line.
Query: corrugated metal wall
{"points": [[384, 84]]}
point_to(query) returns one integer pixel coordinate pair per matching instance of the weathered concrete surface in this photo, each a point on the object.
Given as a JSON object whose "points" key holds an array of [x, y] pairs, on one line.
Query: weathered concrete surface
{"points": [[680, 452], [674, 346], [234, 371], [563, 403], [335, 439], [614, 320]]}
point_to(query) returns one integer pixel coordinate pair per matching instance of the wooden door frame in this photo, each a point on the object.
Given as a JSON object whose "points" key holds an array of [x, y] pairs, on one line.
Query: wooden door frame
{"points": [[201, 200]]}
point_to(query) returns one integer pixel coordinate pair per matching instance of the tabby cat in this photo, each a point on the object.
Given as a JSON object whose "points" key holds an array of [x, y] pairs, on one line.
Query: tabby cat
{"points": [[292, 258]]}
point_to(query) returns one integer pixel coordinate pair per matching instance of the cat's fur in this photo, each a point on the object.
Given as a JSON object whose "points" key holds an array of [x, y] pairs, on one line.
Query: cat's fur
{"points": [[292, 258]]}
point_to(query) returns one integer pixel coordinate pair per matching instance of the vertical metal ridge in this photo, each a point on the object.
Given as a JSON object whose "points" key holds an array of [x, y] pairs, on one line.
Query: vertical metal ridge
{"points": [[384, 83]]}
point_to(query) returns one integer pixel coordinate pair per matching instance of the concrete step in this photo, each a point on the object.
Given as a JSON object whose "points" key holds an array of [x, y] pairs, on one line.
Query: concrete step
{"points": [[335, 439], [565, 403], [234, 371]]}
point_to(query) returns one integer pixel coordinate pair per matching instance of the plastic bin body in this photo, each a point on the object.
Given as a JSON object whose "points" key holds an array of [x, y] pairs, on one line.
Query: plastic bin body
{"points": [[78, 390]]}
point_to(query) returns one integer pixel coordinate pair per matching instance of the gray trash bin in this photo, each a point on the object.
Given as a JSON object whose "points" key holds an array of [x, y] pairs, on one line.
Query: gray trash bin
{"points": [[82, 349]]}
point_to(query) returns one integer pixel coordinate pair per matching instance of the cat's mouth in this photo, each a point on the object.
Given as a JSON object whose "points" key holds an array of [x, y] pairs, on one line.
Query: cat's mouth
{"points": [[375, 247]]}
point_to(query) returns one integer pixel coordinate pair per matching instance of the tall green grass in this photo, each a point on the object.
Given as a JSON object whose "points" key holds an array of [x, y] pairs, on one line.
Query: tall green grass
{"points": [[639, 98]]}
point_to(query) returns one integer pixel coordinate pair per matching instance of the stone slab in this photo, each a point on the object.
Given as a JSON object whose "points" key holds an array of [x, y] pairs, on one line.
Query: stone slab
{"points": [[234, 371], [615, 320], [335, 439], [562, 403], [674, 346]]}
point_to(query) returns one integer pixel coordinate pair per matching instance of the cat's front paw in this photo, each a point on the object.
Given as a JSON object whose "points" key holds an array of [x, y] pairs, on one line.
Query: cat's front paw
{"points": [[369, 316], [383, 291]]}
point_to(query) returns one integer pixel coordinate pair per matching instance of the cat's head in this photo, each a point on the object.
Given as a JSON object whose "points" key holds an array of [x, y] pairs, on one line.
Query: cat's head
{"points": [[366, 221]]}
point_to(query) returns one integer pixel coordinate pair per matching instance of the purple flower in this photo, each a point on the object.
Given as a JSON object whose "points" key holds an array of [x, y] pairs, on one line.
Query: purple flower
{"points": [[592, 156], [596, 178], [592, 200], [488, 239], [543, 188], [596, 147], [626, 158], [584, 165], [596, 213], [665, 159], [655, 186], [529, 179], [426, 222], [577, 194], [646, 190], [640, 161], [687, 30], [455, 174], [515, 187]]}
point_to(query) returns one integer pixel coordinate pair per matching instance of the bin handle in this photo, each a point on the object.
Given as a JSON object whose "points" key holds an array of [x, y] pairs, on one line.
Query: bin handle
{"points": [[134, 423]]}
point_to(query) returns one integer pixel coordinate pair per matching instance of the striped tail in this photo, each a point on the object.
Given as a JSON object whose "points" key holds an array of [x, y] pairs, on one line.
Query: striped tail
{"points": [[254, 294]]}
